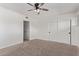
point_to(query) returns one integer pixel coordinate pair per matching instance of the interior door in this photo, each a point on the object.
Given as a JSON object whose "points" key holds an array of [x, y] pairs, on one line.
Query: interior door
{"points": [[60, 31]]}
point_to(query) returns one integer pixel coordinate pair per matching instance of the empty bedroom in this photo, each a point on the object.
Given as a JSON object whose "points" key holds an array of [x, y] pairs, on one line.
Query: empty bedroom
{"points": [[39, 29]]}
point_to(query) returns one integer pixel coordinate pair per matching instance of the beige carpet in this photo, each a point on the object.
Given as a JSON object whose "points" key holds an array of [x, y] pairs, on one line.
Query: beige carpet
{"points": [[40, 48]]}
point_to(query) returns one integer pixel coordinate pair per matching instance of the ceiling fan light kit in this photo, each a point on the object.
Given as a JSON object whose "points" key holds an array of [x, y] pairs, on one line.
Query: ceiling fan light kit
{"points": [[37, 11]]}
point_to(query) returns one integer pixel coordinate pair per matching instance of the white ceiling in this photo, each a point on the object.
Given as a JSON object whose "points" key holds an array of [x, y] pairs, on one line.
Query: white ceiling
{"points": [[54, 8]]}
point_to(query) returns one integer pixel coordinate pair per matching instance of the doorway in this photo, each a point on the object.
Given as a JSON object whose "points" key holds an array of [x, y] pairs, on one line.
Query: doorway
{"points": [[26, 31]]}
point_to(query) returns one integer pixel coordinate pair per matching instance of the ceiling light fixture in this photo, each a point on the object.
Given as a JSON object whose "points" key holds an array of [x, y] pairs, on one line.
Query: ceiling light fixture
{"points": [[37, 11]]}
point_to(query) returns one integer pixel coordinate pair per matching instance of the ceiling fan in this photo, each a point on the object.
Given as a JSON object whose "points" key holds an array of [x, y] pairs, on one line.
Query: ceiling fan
{"points": [[37, 7]]}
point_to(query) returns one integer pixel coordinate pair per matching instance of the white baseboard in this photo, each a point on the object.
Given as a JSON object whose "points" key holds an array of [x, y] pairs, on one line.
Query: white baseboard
{"points": [[11, 44]]}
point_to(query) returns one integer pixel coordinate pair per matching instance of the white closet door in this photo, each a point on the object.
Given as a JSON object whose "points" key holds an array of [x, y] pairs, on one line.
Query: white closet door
{"points": [[59, 31], [52, 30]]}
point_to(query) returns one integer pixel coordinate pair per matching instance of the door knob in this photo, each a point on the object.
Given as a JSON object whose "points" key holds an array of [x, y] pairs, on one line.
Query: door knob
{"points": [[69, 32], [49, 32]]}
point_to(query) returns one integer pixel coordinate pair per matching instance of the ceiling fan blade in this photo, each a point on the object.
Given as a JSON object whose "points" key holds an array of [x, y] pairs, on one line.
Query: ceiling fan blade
{"points": [[30, 4], [43, 9], [30, 10], [41, 4]]}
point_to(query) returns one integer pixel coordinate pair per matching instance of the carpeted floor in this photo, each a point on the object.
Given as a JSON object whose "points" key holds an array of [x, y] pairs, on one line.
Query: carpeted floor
{"points": [[40, 48]]}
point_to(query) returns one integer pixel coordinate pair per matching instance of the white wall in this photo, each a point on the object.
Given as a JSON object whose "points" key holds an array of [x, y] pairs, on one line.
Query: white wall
{"points": [[11, 28]]}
